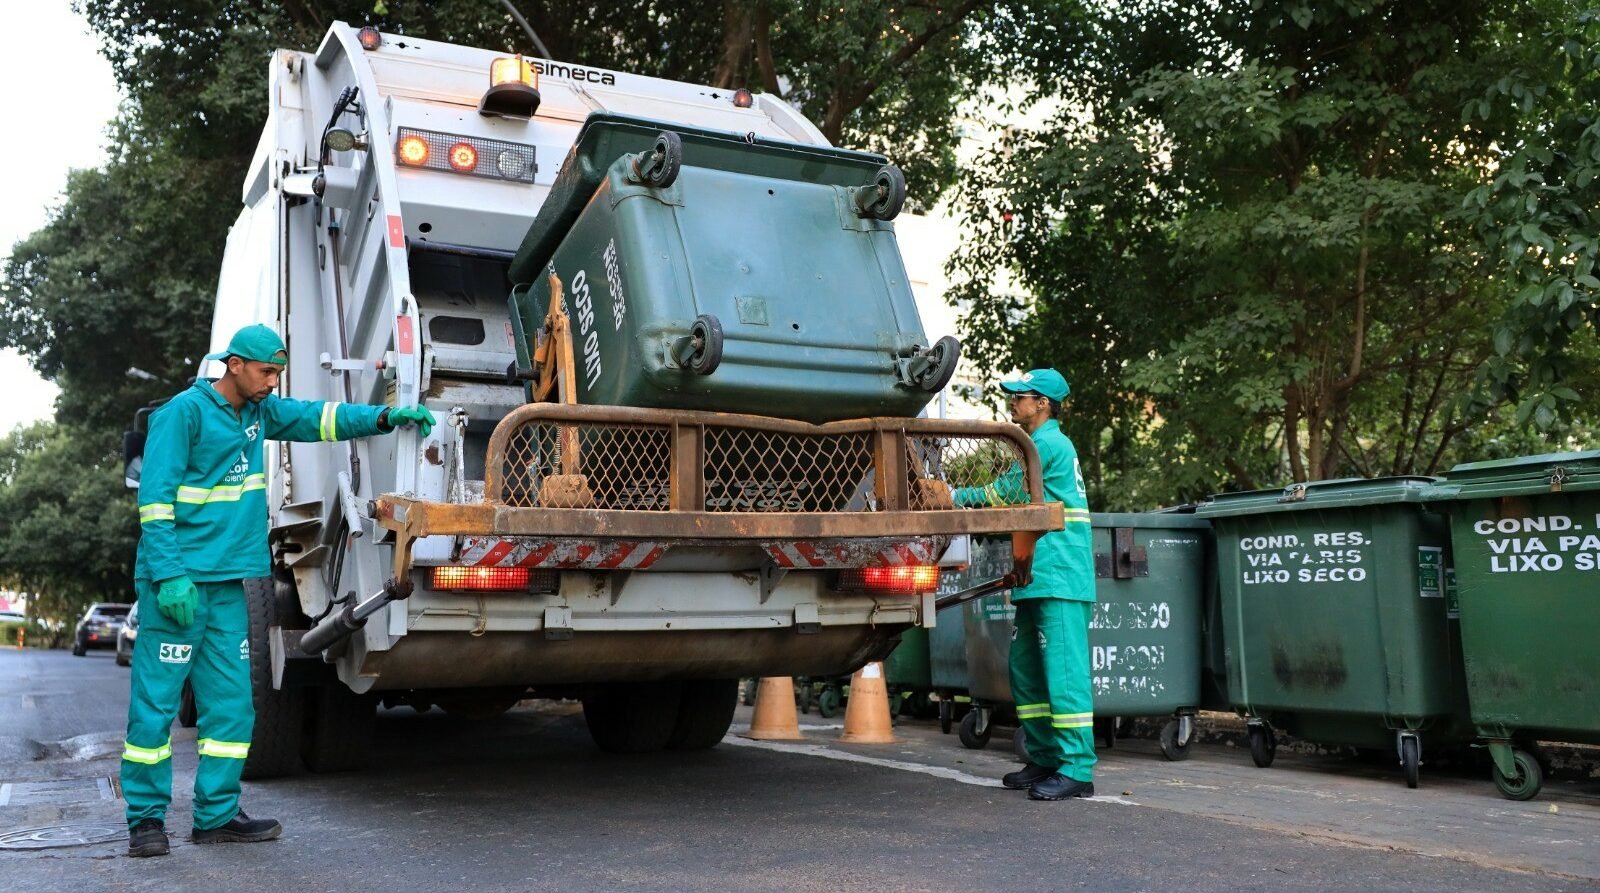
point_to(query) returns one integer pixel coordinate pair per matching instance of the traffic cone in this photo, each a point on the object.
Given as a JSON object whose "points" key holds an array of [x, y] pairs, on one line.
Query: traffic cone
{"points": [[866, 716], [774, 718]]}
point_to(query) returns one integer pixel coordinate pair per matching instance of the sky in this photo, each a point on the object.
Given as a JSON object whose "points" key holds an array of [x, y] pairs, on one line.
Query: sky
{"points": [[59, 89]]}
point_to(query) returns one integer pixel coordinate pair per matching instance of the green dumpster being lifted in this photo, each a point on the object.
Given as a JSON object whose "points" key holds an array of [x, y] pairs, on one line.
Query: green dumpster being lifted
{"points": [[1334, 613], [1525, 536], [706, 270]]}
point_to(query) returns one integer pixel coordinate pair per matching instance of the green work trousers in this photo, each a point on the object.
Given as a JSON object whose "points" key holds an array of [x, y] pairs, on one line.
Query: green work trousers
{"points": [[1050, 682], [213, 654]]}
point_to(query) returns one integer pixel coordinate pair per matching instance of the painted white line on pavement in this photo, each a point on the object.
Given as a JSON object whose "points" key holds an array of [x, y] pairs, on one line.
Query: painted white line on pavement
{"points": [[817, 750], [5, 794]]}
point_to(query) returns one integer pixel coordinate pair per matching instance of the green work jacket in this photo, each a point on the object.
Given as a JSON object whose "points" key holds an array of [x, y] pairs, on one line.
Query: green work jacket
{"points": [[1063, 561], [203, 489]]}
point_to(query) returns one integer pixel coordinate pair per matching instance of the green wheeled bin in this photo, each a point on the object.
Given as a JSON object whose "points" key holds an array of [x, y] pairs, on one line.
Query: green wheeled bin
{"points": [[908, 675], [1525, 537], [705, 270], [947, 640], [1334, 616], [1146, 635]]}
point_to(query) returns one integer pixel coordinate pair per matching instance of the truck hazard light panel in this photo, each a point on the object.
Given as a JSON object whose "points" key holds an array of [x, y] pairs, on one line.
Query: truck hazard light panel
{"points": [[905, 579], [495, 579], [471, 155]]}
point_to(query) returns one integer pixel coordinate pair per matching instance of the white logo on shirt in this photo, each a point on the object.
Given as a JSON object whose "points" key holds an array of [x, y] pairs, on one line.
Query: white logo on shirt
{"points": [[172, 653], [244, 649], [253, 430]]}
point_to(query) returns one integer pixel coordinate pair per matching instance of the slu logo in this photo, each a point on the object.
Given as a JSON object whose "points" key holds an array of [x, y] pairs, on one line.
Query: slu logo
{"points": [[244, 649], [253, 430], [1042, 642], [172, 653]]}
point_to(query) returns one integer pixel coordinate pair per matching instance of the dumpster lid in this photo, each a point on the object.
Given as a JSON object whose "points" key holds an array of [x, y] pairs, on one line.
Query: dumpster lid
{"points": [[1341, 493], [1156, 520], [1523, 475]]}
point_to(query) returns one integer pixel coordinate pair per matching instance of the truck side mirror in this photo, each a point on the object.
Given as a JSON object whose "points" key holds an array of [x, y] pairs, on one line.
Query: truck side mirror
{"points": [[132, 457]]}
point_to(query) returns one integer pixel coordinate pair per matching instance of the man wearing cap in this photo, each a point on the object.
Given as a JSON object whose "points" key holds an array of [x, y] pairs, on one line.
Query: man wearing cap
{"points": [[1050, 679], [203, 526]]}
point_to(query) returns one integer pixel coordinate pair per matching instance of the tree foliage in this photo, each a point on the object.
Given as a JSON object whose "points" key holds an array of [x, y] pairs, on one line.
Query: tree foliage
{"points": [[1250, 247], [67, 525]]}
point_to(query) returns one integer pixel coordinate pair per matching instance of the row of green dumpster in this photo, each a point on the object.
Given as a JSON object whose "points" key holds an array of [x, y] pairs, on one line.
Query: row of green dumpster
{"points": [[1417, 614]]}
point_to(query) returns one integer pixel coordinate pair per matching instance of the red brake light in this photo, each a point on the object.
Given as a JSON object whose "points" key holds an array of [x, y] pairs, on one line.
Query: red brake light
{"points": [[482, 579], [463, 157], [910, 579]]}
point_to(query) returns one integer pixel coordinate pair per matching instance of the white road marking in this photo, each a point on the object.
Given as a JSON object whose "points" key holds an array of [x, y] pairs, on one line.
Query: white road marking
{"points": [[817, 750], [5, 794]]}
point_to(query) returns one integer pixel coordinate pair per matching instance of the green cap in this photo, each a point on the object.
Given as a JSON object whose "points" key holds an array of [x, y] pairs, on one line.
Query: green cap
{"points": [[257, 342], [1047, 382]]}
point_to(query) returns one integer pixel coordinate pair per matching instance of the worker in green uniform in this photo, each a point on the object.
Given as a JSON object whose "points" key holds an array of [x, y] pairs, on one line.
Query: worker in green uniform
{"points": [[203, 526], [1050, 679]]}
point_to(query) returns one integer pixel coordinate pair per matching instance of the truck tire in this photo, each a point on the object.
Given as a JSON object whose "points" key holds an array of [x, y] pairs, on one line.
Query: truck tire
{"points": [[705, 711], [280, 715], [339, 728], [632, 717]]}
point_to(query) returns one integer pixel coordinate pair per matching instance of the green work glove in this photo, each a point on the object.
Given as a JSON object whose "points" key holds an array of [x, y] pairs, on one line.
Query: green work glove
{"points": [[177, 600], [401, 416]]}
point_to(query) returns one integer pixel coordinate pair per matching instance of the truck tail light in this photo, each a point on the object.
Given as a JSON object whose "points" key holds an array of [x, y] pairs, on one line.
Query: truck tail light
{"points": [[495, 579], [456, 154], [908, 579]]}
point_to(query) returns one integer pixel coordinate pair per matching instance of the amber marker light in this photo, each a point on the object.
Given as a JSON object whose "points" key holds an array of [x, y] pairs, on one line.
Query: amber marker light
{"points": [[370, 38], [413, 150]]}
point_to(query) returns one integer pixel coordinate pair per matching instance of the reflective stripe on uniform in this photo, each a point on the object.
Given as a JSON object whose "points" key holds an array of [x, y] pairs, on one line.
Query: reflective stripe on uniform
{"points": [[155, 511], [147, 755], [224, 493], [233, 750], [1076, 516], [328, 429], [1033, 711], [1072, 720]]}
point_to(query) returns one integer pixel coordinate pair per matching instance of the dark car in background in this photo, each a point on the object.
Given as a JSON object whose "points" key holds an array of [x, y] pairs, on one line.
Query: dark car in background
{"points": [[126, 638], [100, 627]]}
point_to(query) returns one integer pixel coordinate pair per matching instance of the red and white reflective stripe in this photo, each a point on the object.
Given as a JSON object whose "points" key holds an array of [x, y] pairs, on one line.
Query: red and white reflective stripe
{"points": [[567, 554], [843, 554]]}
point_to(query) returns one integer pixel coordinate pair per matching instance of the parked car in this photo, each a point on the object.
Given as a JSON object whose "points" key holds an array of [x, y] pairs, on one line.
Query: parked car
{"points": [[100, 627], [126, 638]]}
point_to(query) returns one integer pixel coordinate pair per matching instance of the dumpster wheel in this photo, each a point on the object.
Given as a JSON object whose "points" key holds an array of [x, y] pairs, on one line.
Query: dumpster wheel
{"points": [[969, 734], [1171, 747], [1528, 781], [1411, 759], [883, 198], [659, 166], [1263, 744]]}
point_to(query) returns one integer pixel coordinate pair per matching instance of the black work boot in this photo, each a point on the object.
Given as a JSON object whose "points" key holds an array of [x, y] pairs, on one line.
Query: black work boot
{"points": [[1026, 777], [240, 829], [1060, 787], [148, 838]]}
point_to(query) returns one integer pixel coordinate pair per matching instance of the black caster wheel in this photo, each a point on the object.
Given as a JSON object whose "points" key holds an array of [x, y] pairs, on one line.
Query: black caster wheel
{"points": [[947, 712], [1528, 781], [942, 358], [828, 703], [705, 336], [659, 167], [1171, 747], [970, 737], [1263, 744], [1411, 759], [883, 198], [751, 686]]}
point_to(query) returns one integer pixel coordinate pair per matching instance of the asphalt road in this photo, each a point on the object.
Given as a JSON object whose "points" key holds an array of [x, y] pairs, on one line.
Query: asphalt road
{"points": [[525, 803]]}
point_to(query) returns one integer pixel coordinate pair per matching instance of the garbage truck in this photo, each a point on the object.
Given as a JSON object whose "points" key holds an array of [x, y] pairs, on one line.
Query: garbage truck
{"points": [[679, 371]]}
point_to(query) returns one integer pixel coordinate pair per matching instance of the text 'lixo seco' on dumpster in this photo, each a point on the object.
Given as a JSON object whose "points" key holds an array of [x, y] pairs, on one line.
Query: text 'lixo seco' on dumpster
{"points": [[1330, 557], [1538, 544]]}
